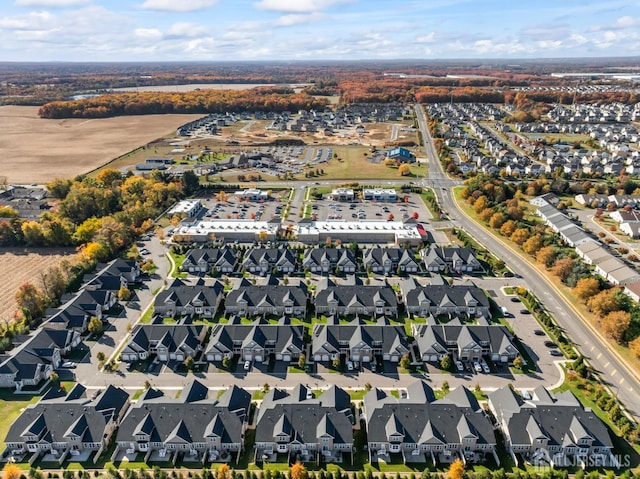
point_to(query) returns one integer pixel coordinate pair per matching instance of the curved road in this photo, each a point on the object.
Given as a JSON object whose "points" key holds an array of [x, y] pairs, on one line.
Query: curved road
{"points": [[612, 369]]}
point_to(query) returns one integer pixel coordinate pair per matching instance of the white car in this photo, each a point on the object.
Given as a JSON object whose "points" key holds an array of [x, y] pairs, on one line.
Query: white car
{"points": [[69, 364], [349, 366], [247, 365], [477, 367], [460, 366], [485, 367]]}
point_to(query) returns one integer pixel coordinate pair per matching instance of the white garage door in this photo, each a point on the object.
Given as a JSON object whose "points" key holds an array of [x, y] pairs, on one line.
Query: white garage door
{"points": [[258, 358], [395, 359], [355, 357], [325, 357], [504, 359], [433, 357], [386, 357], [287, 357], [279, 356], [366, 359], [316, 357], [248, 357], [218, 357]]}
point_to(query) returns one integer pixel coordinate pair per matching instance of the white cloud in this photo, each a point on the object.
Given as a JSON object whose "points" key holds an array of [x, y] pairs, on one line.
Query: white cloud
{"points": [[30, 21], [429, 38], [299, 19], [187, 29], [177, 5], [297, 6], [50, 3], [148, 33]]}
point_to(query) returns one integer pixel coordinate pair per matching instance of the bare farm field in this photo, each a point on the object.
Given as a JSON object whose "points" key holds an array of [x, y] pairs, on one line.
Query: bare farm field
{"points": [[18, 265], [35, 150]]}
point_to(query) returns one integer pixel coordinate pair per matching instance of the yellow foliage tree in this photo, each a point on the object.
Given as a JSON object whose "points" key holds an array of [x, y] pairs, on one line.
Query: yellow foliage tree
{"points": [[298, 471], [586, 288], [456, 469], [11, 471], [404, 169], [224, 472], [634, 347], [615, 324]]}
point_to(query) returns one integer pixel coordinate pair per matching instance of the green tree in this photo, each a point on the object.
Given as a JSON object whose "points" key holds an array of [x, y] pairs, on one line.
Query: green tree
{"points": [[100, 356]]}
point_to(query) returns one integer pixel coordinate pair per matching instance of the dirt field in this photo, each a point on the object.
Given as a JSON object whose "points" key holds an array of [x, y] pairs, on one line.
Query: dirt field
{"points": [[18, 265], [35, 150]]}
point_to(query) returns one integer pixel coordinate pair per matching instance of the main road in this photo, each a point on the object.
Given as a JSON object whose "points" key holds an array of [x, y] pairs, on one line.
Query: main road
{"points": [[611, 367]]}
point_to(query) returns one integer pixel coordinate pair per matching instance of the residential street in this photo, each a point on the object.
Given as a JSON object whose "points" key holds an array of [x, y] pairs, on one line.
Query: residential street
{"points": [[623, 382]]}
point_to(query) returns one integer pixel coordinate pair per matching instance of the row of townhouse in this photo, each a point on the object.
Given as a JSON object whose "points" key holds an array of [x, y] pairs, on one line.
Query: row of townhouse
{"points": [[325, 260], [203, 426], [283, 341], [591, 251], [593, 200], [36, 355], [352, 296]]}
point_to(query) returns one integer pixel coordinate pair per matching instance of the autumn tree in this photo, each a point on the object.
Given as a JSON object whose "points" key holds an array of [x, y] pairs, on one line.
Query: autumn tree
{"points": [[446, 362], [405, 362], [586, 288], [302, 361], [108, 177], [604, 302], [224, 472], [124, 294], [615, 324], [456, 470], [562, 268], [520, 235], [298, 471], [508, 228], [480, 204], [11, 471], [31, 298], [404, 169], [486, 214], [546, 256], [634, 347], [95, 325], [189, 363], [532, 245], [497, 220]]}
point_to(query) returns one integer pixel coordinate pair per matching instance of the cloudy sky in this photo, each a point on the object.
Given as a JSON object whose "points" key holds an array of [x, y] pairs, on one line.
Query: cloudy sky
{"points": [[150, 30]]}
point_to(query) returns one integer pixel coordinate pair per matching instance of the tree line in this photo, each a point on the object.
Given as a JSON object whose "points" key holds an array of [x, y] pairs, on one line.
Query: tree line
{"points": [[276, 99], [101, 216], [500, 206]]}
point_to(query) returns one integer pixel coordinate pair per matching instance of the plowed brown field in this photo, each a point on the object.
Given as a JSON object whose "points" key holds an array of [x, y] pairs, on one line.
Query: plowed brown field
{"points": [[35, 150]]}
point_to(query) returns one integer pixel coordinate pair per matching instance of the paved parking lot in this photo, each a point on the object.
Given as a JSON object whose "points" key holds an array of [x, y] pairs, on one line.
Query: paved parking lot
{"points": [[360, 210], [234, 208]]}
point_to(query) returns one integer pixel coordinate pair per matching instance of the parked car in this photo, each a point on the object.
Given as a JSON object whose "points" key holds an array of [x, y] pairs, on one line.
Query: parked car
{"points": [[373, 367], [550, 344], [555, 352], [247, 365], [151, 367], [485, 367], [309, 394], [460, 366], [515, 299], [349, 366], [68, 365], [144, 251], [477, 367], [538, 332], [525, 311]]}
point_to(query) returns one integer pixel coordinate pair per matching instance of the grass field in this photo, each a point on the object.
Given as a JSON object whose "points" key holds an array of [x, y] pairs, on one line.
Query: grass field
{"points": [[11, 405], [354, 166], [18, 265], [35, 150]]}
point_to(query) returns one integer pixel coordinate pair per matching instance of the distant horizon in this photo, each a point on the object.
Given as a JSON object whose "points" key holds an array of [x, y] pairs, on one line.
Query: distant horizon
{"points": [[99, 31]]}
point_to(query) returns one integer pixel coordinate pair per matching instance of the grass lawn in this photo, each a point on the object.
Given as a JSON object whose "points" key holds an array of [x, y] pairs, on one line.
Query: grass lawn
{"points": [[295, 370], [583, 390], [11, 405], [352, 164]]}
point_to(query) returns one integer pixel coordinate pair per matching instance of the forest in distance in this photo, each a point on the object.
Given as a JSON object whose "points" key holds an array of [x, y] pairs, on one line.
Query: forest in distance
{"points": [[364, 81]]}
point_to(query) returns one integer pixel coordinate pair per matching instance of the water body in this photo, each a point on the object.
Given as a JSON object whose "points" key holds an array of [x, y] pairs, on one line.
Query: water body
{"points": [[205, 86]]}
